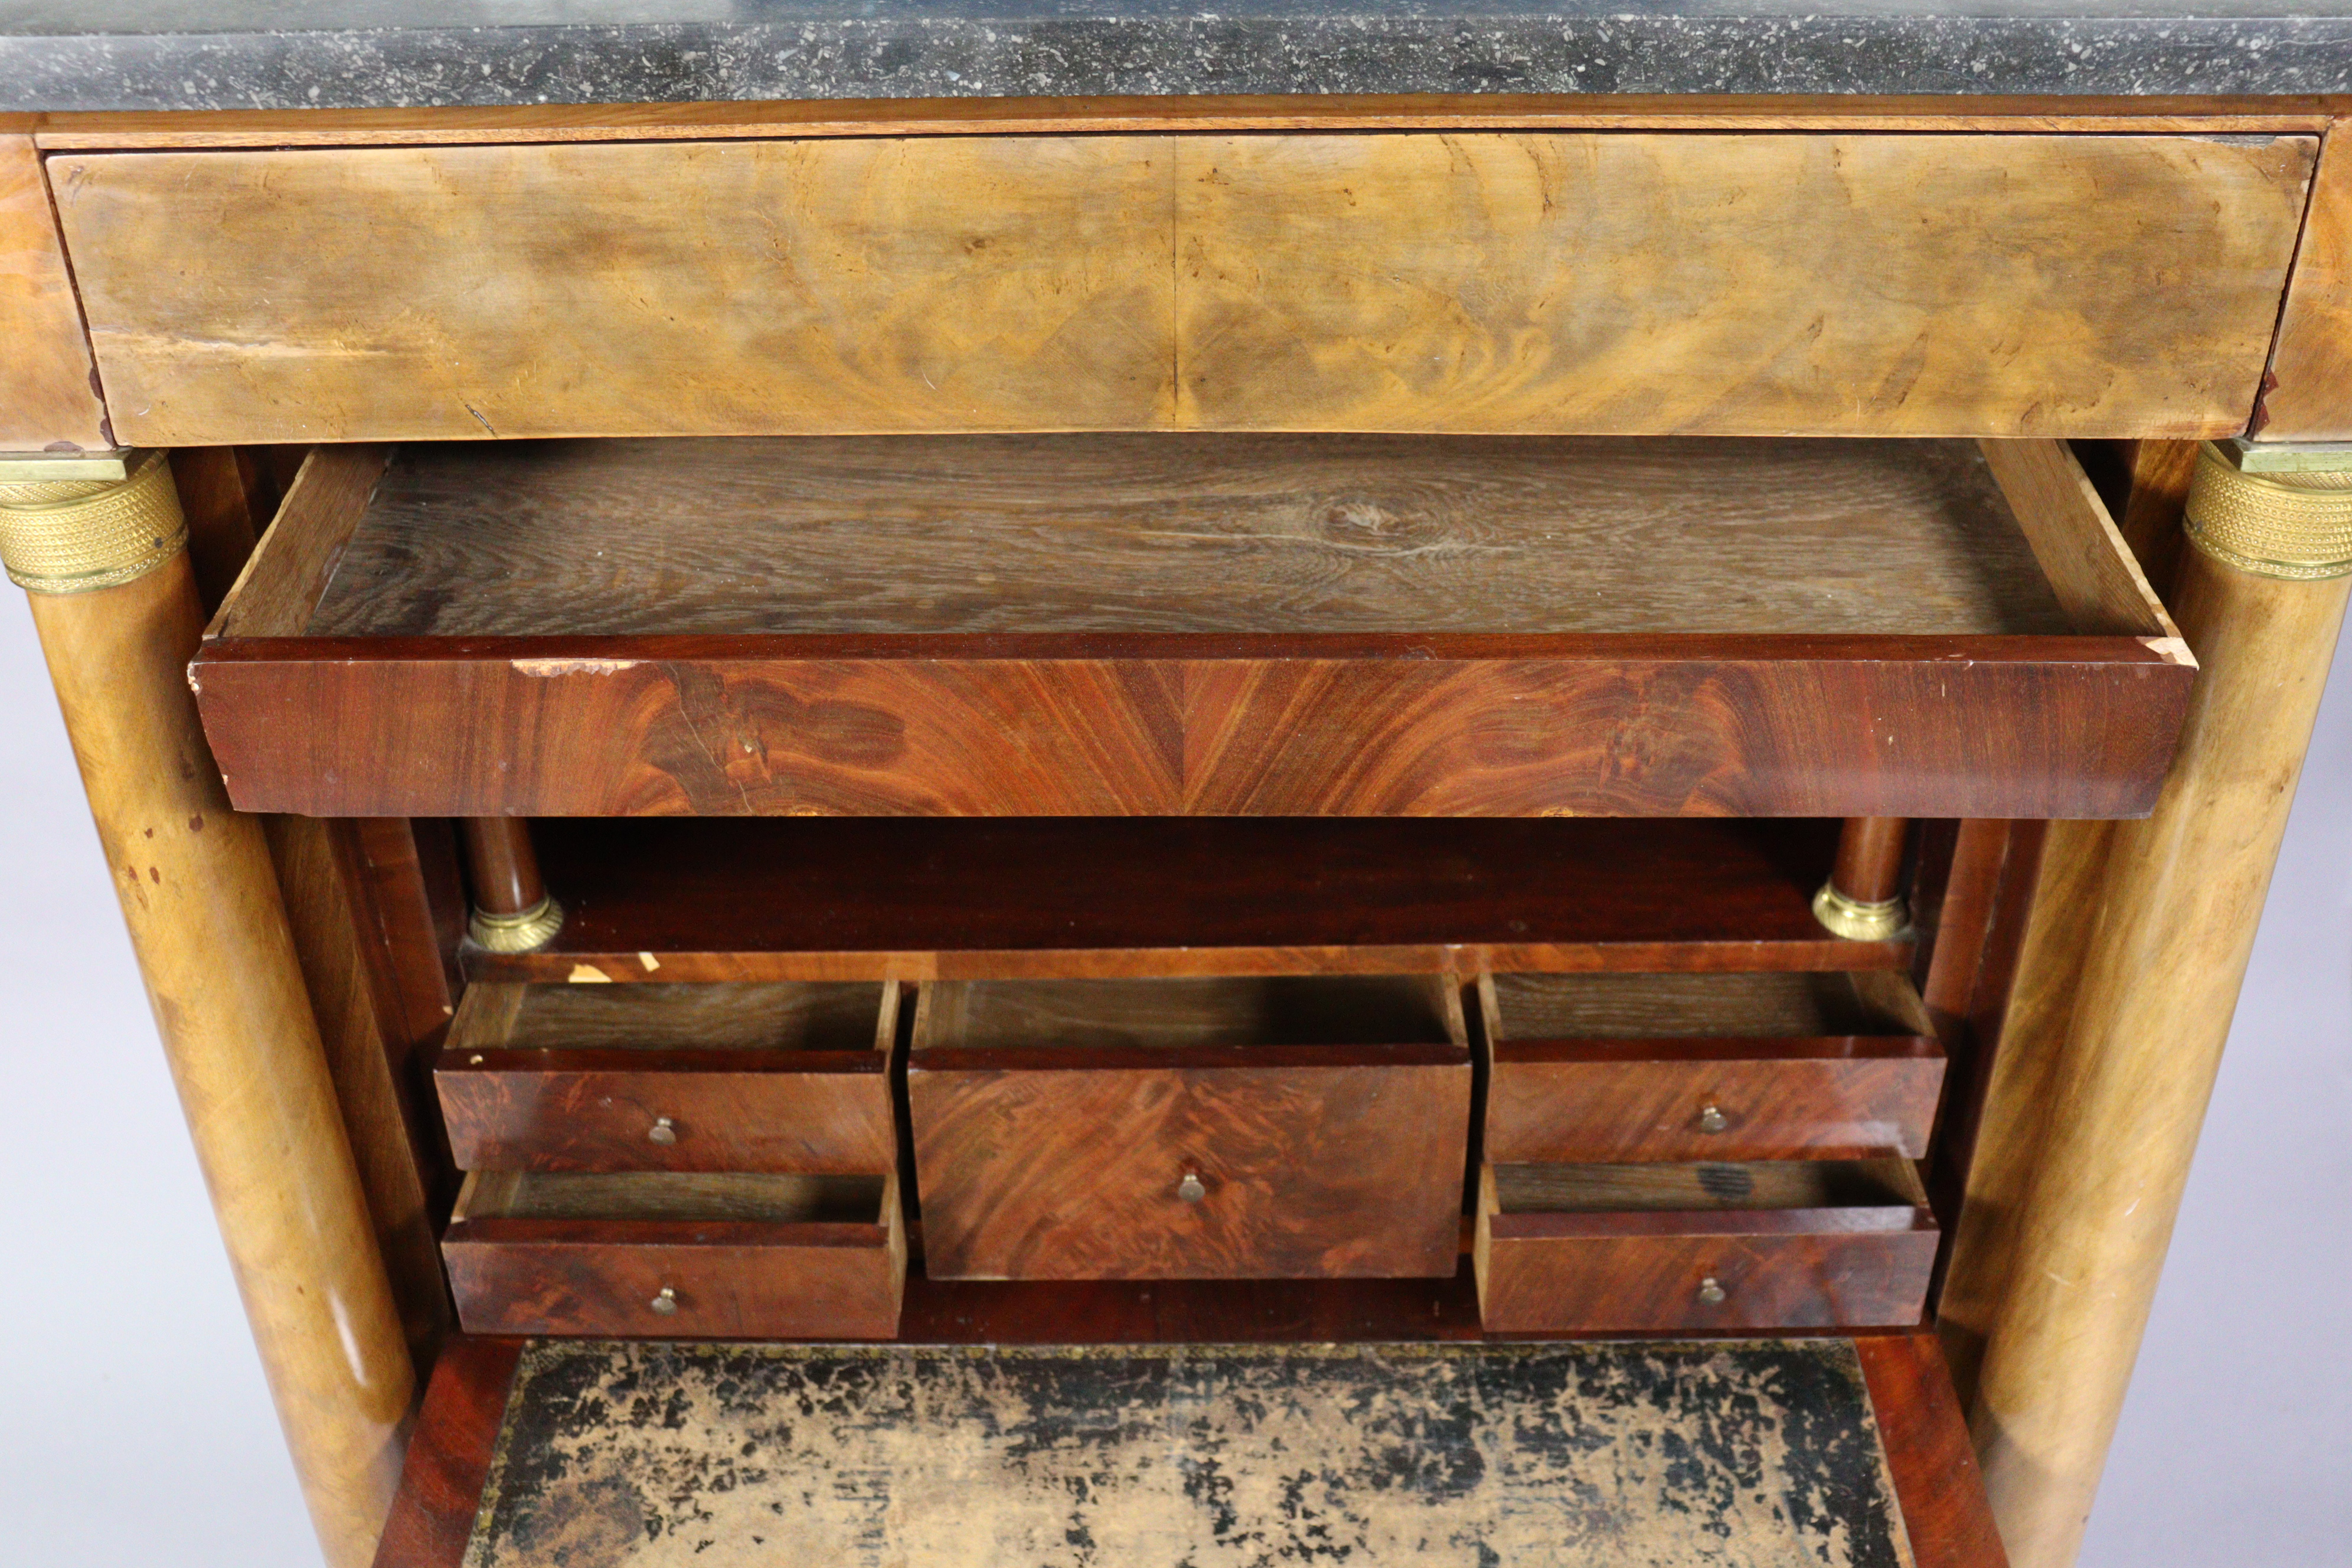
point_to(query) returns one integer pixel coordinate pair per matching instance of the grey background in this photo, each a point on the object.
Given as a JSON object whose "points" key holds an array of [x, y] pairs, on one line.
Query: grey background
{"points": [[135, 1429]]}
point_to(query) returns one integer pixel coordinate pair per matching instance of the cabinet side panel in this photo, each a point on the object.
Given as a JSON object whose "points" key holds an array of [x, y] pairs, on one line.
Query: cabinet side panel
{"points": [[48, 389]]}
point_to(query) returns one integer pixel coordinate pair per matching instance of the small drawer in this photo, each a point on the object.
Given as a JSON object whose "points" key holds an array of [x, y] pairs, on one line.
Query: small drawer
{"points": [[1229, 1128], [1595, 1068], [696, 1257], [1795, 1244], [785, 1076]]}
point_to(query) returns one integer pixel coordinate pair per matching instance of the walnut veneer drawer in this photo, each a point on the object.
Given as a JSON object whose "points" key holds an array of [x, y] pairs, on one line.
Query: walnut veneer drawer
{"points": [[1189, 1129], [1303, 626], [1592, 1067], [1579, 282], [1795, 1244], [720, 1256], [788, 1077]]}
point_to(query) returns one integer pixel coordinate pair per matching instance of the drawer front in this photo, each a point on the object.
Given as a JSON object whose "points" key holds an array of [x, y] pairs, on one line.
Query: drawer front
{"points": [[559, 1112], [1559, 1103], [1599, 283], [715, 1280], [1784, 1270], [1294, 1171]]}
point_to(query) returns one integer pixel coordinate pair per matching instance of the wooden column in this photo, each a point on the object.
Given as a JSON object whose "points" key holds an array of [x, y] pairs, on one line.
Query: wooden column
{"points": [[2260, 599], [114, 600], [1863, 900], [512, 912]]}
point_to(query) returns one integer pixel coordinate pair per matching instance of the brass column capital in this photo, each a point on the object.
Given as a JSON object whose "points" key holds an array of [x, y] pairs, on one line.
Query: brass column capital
{"points": [[75, 523], [2283, 512]]}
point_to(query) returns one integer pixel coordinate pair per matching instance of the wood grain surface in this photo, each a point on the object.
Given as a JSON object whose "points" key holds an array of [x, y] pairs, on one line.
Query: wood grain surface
{"points": [[1389, 725], [1736, 284], [742, 1256], [798, 1018], [450, 1455], [1799, 1244], [1530, 1007], [1727, 284], [50, 395], [656, 287], [1770, 1099], [1927, 1449], [332, 492], [2305, 396], [758, 1077], [779, 898], [1193, 533], [388, 1124], [2083, 555], [1322, 1125]]}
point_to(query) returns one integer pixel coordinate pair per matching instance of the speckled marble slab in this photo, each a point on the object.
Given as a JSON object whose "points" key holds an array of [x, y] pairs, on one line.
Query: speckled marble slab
{"points": [[294, 54], [1759, 1455]]}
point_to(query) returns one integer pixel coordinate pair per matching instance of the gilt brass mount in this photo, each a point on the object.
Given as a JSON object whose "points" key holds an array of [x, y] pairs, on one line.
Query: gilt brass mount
{"points": [[74, 524]]}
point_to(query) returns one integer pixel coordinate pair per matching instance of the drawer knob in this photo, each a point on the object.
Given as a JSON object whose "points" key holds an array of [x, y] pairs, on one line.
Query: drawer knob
{"points": [[1711, 1291], [1711, 1119], [1190, 1189], [663, 1132], [667, 1302]]}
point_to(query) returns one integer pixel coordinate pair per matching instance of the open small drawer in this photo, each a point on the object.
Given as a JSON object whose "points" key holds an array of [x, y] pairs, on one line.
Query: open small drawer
{"points": [[1179, 624], [1588, 1068], [779, 1077], [1229, 1128], [716, 1256], [1794, 1245]]}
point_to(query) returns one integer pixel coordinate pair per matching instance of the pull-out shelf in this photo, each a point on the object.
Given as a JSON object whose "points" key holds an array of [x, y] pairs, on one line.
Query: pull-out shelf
{"points": [[1141, 625]]}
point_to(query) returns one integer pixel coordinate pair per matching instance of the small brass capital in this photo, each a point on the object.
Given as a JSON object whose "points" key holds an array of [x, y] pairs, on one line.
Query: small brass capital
{"points": [[533, 929], [1857, 922], [2257, 511], [73, 524]]}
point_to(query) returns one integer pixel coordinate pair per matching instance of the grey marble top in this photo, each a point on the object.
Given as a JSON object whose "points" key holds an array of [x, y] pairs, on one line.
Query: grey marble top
{"points": [[278, 54]]}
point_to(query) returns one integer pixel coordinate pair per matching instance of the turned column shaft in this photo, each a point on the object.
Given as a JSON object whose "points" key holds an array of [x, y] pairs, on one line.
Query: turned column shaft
{"points": [[502, 865], [1863, 897], [2123, 1096], [114, 601]]}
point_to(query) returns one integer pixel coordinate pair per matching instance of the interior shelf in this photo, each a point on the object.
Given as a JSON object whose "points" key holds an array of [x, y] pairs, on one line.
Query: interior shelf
{"points": [[809, 900]]}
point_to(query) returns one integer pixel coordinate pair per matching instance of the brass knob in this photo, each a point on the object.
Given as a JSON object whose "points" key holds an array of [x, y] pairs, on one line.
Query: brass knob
{"points": [[1711, 1119], [663, 1132], [667, 1302], [1190, 1189], [1711, 1291]]}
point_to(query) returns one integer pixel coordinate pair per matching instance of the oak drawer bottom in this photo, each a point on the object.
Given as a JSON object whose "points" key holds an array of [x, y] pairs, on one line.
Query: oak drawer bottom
{"points": [[1827, 1244], [677, 1256]]}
